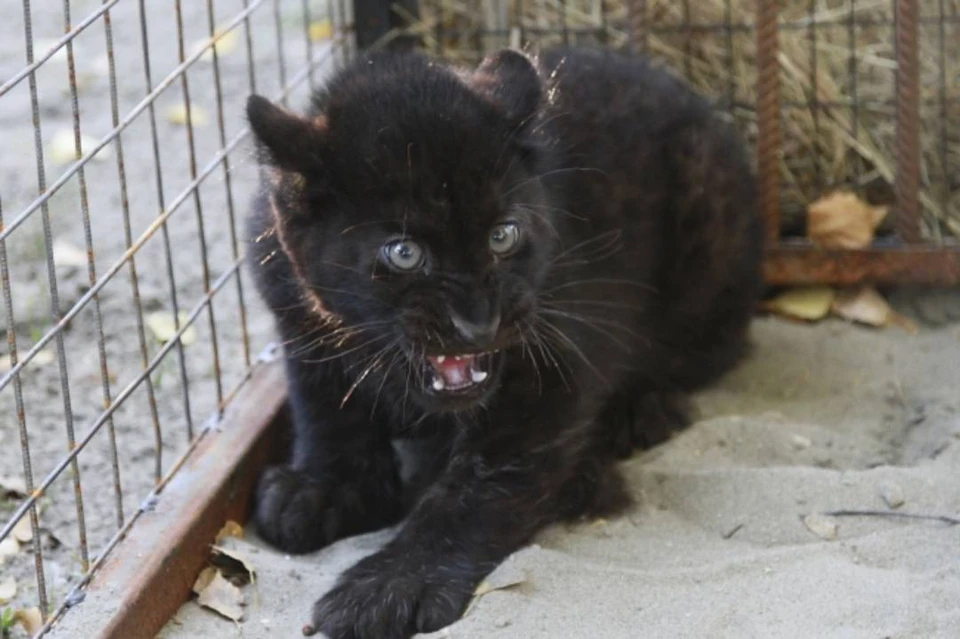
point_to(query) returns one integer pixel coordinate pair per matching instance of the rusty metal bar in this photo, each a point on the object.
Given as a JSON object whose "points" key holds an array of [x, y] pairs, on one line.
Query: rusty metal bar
{"points": [[768, 118], [128, 242], [198, 205], [151, 570], [21, 410], [908, 121], [164, 231], [638, 35], [804, 264], [64, 39], [227, 179], [55, 312], [92, 271]]}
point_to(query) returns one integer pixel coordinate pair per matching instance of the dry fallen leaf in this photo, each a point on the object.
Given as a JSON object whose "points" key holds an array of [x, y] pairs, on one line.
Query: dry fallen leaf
{"points": [[225, 43], [63, 148], [12, 488], [230, 529], [163, 327], [867, 306], [43, 357], [821, 526], [220, 595], [505, 577], [864, 305], [23, 532], [30, 620], [204, 578], [66, 254], [8, 590], [904, 323], [8, 548], [842, 220], [234, 565], [808, 303], [321, 30], [177, 114]]}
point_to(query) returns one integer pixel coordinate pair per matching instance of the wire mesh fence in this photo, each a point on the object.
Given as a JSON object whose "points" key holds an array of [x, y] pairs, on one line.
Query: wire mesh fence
{"points": [[127, 323]]}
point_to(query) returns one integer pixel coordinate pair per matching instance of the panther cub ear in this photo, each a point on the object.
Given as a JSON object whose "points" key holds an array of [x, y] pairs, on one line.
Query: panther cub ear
{"points": [[510, 80], [286, 140]]}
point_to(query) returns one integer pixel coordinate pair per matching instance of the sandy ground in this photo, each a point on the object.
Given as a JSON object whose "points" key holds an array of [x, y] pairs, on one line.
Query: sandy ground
{"points": [[820, 418], [138, 446]]}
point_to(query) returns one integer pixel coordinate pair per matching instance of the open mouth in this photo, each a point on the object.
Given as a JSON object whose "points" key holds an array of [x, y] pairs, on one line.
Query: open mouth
{"points": [[459, 373]]}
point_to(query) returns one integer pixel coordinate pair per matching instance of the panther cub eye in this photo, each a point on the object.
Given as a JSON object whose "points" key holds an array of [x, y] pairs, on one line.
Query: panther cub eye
{"points": [[504, 238], [403, 255]]}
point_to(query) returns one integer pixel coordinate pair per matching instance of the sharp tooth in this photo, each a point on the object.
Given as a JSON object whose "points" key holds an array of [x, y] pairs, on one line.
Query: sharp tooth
{"points": [[458, 357], [441, 359], [438, 384], [478, 376]]}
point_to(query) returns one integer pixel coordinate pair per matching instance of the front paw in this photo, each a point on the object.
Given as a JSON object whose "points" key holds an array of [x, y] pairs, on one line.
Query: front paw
{"points": [[298, 514], [388, 596]]}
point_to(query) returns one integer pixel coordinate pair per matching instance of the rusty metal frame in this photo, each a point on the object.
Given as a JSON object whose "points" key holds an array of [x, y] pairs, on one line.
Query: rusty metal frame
{"points": [[909, 260], [150, 573]]}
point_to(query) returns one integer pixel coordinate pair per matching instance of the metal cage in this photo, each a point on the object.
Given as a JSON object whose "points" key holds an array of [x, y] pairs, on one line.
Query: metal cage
{"points": [[128, 327]]}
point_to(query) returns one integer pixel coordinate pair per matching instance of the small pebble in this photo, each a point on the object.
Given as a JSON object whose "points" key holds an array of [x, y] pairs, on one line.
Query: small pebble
{"points": [[800, 442], [821, 526], [501, 623], [892, 495]]}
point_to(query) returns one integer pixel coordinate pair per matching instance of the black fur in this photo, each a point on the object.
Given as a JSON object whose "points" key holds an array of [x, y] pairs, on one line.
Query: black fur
{"points": [[633, 283]]}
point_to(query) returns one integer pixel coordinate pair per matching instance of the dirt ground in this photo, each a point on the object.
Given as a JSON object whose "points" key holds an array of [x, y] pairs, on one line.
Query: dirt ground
{"points": [[43, 395]]}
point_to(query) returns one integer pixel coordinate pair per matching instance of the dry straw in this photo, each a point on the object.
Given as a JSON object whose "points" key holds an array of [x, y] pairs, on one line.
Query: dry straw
{"points": [[847, 141]]}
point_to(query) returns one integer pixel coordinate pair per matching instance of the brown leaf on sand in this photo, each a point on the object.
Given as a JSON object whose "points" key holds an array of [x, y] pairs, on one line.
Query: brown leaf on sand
{"points": [[841, 220], [866, 306], [808, 303], [230, 529], [203, 579], [234, 565], [218, 594], [505, 577], [30, 620]]}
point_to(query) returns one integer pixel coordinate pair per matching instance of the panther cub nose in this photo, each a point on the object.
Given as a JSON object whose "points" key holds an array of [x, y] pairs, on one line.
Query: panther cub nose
{"points": [[479, 334]]}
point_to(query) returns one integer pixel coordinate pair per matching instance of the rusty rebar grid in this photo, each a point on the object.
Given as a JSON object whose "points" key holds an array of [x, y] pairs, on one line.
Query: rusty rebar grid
{"points": [[768, 118], [85, 388], [908, 121]]}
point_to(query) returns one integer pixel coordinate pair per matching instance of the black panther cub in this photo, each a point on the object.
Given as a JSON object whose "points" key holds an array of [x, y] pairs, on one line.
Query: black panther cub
{"points": [[518, 271]]}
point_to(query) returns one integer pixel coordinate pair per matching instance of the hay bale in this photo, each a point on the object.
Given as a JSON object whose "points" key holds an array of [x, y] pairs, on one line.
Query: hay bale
{"points": [[844, 142]]}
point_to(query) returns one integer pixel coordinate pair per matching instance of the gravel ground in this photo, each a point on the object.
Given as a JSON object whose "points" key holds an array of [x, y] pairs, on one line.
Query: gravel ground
{"points": [[46, 404]]}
